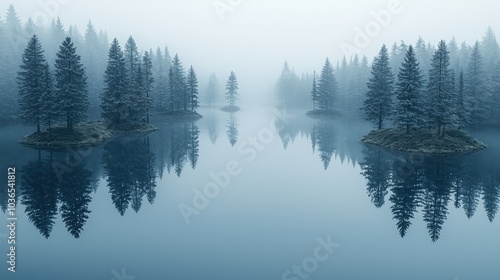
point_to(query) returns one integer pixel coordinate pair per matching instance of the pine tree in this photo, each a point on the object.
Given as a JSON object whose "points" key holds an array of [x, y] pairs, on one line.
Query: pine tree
{"points": [[475, 88], [147, 76], [50, 112], [192, 89], [212, 90], [327, 87], [460, 109], [408, 111], [439, 89], [137, 101], [114, 98], [31, 81], [378, 103], [314, 93], [284, 84], [71, 84], [232, 89], [177, 83]]}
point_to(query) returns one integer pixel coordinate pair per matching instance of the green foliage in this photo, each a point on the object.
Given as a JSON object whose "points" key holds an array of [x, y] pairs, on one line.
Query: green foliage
{"points": [[378, 104], [408, 109], [71, 85]]}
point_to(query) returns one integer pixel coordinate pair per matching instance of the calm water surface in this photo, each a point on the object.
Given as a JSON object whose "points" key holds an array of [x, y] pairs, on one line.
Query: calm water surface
{"points": [[230, 197]]}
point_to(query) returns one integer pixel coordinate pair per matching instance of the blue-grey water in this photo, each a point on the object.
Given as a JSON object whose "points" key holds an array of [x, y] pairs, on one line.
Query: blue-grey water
{"points": [[251, 195]]}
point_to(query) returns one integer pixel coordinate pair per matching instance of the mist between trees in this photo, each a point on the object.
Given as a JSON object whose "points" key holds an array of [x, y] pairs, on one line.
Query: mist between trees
{"points": [[120, 84], [420, 85]]}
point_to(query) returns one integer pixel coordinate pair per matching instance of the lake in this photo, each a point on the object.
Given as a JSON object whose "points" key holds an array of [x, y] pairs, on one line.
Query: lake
{"points": [[257, 194]]}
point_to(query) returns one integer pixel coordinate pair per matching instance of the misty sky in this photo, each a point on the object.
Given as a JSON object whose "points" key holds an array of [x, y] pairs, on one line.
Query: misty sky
{"points": [[256, 36]]}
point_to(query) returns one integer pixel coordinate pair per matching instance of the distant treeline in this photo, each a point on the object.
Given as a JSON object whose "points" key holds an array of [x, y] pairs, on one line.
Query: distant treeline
{"points": [[471, 72], [93, 47]]}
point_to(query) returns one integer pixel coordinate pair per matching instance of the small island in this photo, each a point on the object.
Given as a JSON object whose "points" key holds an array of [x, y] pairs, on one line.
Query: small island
{"points": [[424, 141], [429, 120], [231, 94], [83, 134], [57, 101], [323, 93]]}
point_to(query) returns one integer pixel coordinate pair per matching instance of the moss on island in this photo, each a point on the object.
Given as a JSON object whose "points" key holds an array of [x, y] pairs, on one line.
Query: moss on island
{"points": [[319, 114], [83, 134], [424, 141], [230, 109]]}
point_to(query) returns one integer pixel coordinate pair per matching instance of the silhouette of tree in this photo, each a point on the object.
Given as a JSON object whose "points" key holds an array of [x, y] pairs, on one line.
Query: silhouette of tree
{"points": [[74, 193], [376, 168], [232, 129], [39, 194]]}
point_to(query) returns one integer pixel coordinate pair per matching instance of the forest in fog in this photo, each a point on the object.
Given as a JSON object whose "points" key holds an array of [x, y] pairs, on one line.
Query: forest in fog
{"points": [[459, 81], [472, 74]]}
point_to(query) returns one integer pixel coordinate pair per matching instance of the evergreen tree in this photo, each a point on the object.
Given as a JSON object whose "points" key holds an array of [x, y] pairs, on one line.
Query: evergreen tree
{"points": [[460, 109], [114, 98], [232, 89], [177, 82], [314, 93], [212, 90], [439, 89], [137, 98], [71, 84], [423, 56], [327, 87], [475, 88], [50, 112], [408, 111], [32, 82], [162, 87], [378, 103], [192, 89], [285, 85], [147, 77]]}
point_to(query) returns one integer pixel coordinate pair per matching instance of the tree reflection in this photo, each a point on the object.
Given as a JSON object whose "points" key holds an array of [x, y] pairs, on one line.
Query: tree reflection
{"points": [[429, 183], [178, 144], [232, 129], [130, 170], [375, 168], [74, 193], [42, 189], [324, 137], [39, 188]]}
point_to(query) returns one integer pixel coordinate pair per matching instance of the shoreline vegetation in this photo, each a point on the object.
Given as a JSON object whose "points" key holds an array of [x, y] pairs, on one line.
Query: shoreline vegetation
{"points": [[425, 141], [90, 133]]}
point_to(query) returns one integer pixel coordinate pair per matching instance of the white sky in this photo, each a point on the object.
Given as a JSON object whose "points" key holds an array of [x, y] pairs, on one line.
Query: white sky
{"points": [[258, 35]]}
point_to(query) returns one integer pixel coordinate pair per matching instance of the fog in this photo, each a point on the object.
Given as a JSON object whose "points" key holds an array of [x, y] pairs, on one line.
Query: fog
{"points": [[254, 38]]}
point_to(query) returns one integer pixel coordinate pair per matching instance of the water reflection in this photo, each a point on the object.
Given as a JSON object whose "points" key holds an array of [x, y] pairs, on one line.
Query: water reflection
{"points": [[328, 137], [55, 183], [430, 183], [232, 129], [177, 143], [130, 172], [44, 186], [212, 125]]}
